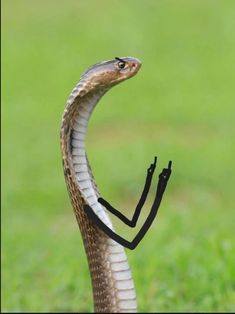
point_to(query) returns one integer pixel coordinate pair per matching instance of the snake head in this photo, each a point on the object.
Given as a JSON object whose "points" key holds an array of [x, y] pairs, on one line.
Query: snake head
{"points": [[106, 74]]}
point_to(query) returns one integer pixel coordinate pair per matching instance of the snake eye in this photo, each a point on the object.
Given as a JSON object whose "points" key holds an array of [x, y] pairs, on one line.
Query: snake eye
{"points": [[121, 64]]}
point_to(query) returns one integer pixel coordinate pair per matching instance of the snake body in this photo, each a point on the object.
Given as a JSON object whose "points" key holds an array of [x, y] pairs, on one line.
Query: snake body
{"points": [[112, 283]]}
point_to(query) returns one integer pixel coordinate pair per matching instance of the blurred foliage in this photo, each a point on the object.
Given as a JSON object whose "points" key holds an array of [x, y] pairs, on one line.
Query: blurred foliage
{"points": [[180, 107]]}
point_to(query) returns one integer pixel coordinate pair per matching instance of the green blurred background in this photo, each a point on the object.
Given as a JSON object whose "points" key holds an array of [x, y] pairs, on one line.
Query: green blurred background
{"points": [[180, 106]]}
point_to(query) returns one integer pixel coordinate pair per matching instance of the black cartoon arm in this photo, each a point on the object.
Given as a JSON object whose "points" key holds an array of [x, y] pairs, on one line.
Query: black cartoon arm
{"points": [[162, 183], [132, 223]]}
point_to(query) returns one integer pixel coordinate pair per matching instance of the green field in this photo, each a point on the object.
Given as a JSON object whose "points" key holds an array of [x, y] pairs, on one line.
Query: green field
{"points": [[180, 106]]}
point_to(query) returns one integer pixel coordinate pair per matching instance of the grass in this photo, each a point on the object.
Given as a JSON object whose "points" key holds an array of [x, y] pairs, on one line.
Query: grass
{"points": [[179, 107]]}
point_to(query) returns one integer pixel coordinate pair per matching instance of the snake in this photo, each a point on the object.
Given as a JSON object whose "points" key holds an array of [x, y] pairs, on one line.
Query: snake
{"points": [[111, 277]]}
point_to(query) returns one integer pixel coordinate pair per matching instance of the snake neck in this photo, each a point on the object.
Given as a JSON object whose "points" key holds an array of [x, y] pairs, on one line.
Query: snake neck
{"points": [[112, 283]]}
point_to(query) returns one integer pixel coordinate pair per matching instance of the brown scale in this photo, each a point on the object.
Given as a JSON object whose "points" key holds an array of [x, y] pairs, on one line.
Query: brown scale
{"points": [[95, 241]]}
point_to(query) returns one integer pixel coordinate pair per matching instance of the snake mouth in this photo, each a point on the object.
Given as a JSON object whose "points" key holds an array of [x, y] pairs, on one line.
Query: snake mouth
{"points": [[135, 66]]}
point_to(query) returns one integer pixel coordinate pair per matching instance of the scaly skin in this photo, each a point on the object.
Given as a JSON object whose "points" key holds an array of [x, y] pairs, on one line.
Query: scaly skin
{"points": [[113, 287]]}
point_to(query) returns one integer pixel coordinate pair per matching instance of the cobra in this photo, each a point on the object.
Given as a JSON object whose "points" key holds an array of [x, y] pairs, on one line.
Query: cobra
{"points": [[112, 282]]}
